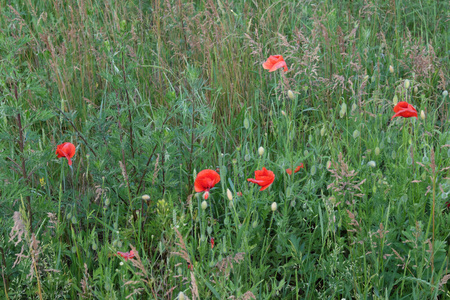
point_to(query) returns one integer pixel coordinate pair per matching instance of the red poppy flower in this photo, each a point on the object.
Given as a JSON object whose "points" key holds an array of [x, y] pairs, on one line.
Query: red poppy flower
{"points": [[212, 243], [66, 150], [405, 110], [274, 62], [205, 181], [126, 255], [190, 266], [264, 178], [289, 171]]}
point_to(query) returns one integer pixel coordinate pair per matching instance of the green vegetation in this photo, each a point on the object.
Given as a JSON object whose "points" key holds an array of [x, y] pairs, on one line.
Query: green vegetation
{"points": [[153, 92]]}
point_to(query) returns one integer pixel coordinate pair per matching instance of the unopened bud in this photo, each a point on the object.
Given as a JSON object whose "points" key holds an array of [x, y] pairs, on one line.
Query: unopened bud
{"points": [[274, 206], [246, 123], [445, 93], [416, 90], [145, 197], [391, 69], [422, 115], [407, 83], [322, 131], [290, 95], [229, 195], [261, 151], [343, 110], [204, 205], [356, 134], [181, 296], [377, 151], [395, 100], [283, 113]]}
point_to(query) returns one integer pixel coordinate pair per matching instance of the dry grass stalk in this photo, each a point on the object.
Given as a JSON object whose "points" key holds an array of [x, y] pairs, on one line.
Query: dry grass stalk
{"points": [[184, 254], [18, 229], [226, 264], [344, 179]]}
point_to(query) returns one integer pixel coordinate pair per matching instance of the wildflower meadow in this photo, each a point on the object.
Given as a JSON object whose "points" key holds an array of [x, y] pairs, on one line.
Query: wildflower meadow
{"points": [[220, 149]]}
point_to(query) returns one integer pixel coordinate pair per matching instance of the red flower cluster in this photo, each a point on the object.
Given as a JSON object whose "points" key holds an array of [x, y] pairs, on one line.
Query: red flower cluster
{"points": [[264, 178], [289, 171], [205, 181], [405, 110], [274, 62], [66, 150], [126, 255]]}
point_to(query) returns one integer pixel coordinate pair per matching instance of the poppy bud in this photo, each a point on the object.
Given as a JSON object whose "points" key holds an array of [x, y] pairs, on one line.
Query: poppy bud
{"points": [[416, 90], [354, 107], [377, 151], [246, 123], [181, 296], [422, 115], [290, 95], [343, 110], [255, 223], [204, 205], [372, 164], [283, 113], [407, 83], [322, 131], [261, 151], [391, 69], [229, 195], [145, 197], [356, 134], [366, 77], [328, 164], [445, 93], [274, 206], [313, 170], [395, 100]]}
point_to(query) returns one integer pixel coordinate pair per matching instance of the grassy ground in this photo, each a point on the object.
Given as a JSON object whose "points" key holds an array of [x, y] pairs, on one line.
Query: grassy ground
{"points": [[153, 92]]}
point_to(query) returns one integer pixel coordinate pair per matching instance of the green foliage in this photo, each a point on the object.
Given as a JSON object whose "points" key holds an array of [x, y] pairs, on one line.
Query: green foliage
{"points": [[153, 92]]}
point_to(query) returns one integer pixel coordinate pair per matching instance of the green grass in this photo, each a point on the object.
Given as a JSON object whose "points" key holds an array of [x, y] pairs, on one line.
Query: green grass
{"points": [[153, 92]]}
